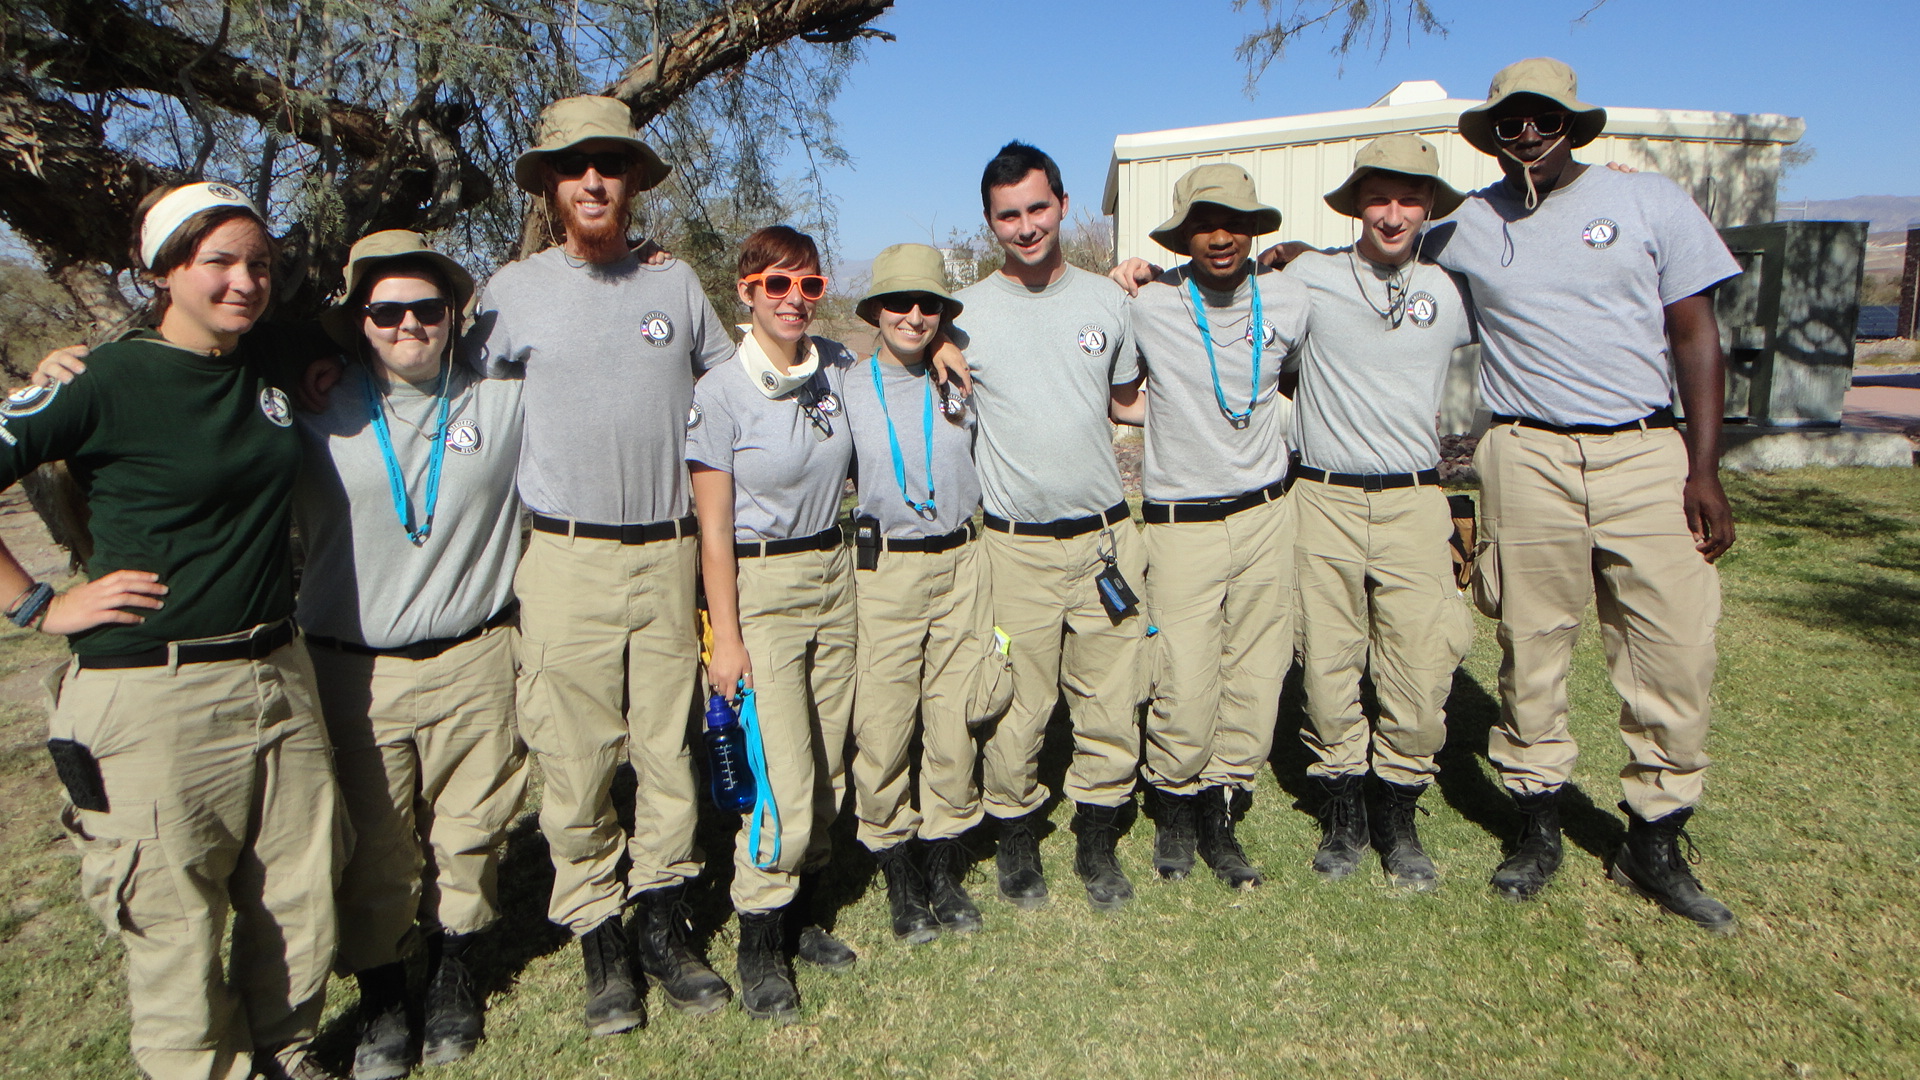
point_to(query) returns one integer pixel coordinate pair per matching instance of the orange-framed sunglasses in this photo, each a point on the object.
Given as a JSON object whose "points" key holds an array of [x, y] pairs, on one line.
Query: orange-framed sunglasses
{"points": [[778, 283]]}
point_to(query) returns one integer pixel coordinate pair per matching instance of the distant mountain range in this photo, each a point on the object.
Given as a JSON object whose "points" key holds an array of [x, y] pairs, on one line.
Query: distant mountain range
{"points": [[1882, 213]]}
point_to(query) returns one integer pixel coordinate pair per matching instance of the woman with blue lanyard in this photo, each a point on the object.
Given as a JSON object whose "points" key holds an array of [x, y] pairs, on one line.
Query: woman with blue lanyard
{"points": [[407, 509], [768, 449], [922, 606], [185, 730]]}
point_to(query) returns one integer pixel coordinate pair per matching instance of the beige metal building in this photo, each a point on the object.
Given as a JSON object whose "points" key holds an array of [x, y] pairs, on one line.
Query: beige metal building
{"points": [[1730, 162]]}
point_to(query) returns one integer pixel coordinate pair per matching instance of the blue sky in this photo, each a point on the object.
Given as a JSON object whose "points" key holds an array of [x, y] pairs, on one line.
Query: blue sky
{"points": [[922, 115]]}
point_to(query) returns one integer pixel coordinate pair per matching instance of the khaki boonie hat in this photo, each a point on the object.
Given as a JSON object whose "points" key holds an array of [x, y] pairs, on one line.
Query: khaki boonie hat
{"points": [[572, 121], [1407, 154], [907, 268], [1543, 77], [385, 246], [1222, 185]]}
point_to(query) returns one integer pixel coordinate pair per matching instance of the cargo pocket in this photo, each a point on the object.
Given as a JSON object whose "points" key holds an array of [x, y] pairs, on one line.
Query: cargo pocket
{"points": [[111, 848], [1486, 578], [1153, 664], [990, 691]]}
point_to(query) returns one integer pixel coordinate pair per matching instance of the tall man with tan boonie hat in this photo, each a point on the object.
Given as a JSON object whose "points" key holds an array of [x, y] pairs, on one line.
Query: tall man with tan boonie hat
{"points": [[1213, 336], [1046, 344], [1593, 289], [1377, 590], [610, 347], [922, 605]]}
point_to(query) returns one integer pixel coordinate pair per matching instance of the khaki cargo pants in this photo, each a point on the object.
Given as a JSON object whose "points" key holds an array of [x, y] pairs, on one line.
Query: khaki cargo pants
{"points": [[1568, 518], [432, 773], [1377, 594], [796, 614], [1221, 595], [610, 650], [918, 614], [1045, 599], [221, 804]]}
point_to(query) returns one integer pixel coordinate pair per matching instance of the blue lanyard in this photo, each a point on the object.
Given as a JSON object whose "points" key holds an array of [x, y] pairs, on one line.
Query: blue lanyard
{"points": [[765, 812], [924, 509], [397, 483], [1239, 420]]}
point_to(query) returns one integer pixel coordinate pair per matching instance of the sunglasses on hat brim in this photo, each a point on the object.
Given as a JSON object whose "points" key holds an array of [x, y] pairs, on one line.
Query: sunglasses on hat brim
{"points": [[777, 284], [387, 314]]}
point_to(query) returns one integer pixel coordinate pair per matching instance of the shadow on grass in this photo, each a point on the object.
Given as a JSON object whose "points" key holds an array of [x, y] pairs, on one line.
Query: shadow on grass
{"points": [[1807, 507], [1881, 611], [1900, 554]]}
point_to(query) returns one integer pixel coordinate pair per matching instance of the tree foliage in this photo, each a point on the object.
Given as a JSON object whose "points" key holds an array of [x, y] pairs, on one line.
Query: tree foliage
{"points": [[345, 116], [1356, 22]]}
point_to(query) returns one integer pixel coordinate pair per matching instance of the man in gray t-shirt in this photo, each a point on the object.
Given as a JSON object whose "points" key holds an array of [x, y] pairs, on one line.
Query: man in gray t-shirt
{"points": [[1046, 343], [609, 348], [1594, 290]]}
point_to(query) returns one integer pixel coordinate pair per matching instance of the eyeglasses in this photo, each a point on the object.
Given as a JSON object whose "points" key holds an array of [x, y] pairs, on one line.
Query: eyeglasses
{"points": [[571, 164], [388, 314], [1509, 128], [901, 303], [777, 285]]}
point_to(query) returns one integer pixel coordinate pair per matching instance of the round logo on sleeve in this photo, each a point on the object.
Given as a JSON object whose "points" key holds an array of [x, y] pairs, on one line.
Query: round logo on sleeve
{"points": [[1601, 232], [1422, 308], [28, 400], [1092, 340], [693, 416], [656, 328], [273, 405], [463, 437]]}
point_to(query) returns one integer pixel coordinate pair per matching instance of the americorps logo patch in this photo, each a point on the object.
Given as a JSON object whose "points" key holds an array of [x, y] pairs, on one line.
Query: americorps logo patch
{"points": [[1601, 232], [28, 400], [1267, 334], [657, 328], [273, 405], [1092, 340], [463, 437], [1422, 308]]}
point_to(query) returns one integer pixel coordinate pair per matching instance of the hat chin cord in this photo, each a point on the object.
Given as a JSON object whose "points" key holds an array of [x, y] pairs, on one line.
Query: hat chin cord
{"points": [[1526, 169]]}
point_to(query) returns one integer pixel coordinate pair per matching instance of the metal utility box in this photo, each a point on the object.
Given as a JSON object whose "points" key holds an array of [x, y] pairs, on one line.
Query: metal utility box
{"points": [[1787, 322]]}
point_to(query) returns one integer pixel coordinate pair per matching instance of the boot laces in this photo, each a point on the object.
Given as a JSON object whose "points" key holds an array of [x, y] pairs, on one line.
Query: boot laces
{"points": [[946, 861]]}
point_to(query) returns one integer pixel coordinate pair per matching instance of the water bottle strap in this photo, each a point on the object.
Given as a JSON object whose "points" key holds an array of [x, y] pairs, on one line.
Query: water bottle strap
{"points": [[765, 809]]}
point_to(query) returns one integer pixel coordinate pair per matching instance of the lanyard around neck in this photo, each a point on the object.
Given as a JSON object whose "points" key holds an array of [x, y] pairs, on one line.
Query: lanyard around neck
{"points": [[1237, 419], [397, 483], [924, 509]]}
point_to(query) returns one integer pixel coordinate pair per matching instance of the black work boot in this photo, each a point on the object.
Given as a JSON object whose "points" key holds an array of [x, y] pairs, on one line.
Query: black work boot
{"points": [[1343, 827], [1219, 843], [1094, 858], [1018, 861], [947, 898], [766, 981], [613, 1001], [1537, 853], [1650, 864], [454, 1005], [385, 1050], [1398, 840], [1175, 834], [290, 1062], [814, 943], [668, 961], [907, 903]]}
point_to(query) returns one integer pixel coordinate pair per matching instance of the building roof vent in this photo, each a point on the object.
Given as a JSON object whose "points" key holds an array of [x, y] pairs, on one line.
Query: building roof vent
{"points": [[1412, 92]]}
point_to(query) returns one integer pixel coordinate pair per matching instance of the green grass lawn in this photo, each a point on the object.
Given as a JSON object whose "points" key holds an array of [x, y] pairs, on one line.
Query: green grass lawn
{"points": [[1810, 831]]}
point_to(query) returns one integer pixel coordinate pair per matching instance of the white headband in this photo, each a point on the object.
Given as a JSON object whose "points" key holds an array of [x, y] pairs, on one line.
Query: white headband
{"points": [[171, 212]]}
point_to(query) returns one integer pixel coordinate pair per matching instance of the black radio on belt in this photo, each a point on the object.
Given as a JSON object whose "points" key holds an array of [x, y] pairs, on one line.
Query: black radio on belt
{"points": [[866, 543]]}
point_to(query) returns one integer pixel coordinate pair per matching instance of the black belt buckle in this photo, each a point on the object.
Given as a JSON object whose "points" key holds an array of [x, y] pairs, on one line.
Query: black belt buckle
{"points": [[1373, 483]]}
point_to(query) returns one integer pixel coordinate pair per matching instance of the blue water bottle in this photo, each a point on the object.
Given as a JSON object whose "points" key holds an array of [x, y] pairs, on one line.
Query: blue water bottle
{"points": [[733, 789]]}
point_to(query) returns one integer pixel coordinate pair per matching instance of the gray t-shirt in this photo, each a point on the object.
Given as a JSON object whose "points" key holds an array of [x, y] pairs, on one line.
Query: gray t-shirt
{"points": [[1369, 393], [364, 580], [956, 486], [610, 354], [1570, 296], [1193, 450], [787, 479], [1044, 362]]}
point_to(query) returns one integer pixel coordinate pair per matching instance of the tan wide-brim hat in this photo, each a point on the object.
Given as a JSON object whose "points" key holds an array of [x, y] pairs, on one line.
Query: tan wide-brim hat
{"points": [[386, 246], [907, 268], [572, 121], [1222, 185], [1541, 76], [1406, 154]]}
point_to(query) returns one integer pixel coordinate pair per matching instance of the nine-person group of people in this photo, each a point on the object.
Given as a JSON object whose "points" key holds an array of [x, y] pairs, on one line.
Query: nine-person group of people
{"points": [[333, 774]]}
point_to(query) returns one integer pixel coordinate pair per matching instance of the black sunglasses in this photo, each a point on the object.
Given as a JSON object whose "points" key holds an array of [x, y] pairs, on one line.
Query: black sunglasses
{"points": [[388, 314], [1509, 128], [901, 303], [569, 164]]}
